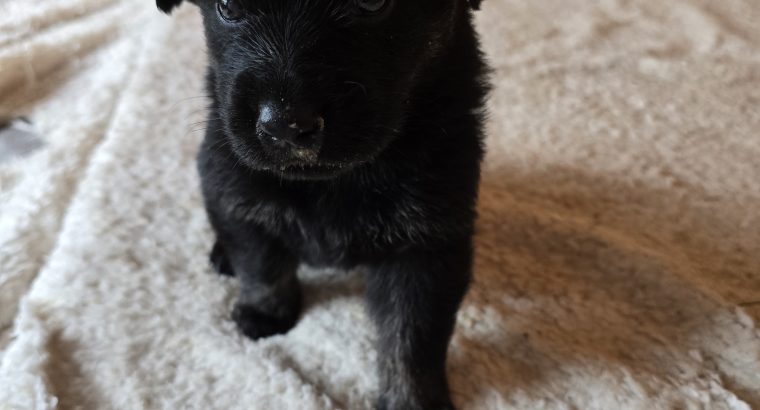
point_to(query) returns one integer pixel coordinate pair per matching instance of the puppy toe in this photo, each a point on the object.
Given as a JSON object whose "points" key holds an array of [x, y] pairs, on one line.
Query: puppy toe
{"points": [[255, 325], [219, 261]]}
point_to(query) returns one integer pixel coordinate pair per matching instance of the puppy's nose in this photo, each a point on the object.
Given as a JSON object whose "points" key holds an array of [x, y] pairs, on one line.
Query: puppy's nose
{"points": [[298, 127]]}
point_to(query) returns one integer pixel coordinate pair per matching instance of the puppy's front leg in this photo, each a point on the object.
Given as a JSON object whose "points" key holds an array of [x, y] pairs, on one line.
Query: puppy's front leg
{"points": [[270, 295], [413, 299]]}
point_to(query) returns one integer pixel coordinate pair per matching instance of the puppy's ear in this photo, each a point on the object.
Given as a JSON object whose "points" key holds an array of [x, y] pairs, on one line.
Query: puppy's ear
{"points": [[475, 4], [167, 5]]}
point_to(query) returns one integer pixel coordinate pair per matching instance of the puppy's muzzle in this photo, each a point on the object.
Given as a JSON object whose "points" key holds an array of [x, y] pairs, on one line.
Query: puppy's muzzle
{"points": [[296, 130]]}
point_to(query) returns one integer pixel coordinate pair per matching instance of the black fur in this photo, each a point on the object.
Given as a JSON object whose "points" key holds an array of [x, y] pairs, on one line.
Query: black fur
{"points": [[392, 190], [167, 5]]}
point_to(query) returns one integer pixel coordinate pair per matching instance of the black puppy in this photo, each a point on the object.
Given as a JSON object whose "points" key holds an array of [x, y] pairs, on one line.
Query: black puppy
{"points": [[347, 133]]}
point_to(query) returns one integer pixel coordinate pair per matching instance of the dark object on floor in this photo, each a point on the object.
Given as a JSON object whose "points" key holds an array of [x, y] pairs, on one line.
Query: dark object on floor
{"points": [[18, 139], [347, 134]]}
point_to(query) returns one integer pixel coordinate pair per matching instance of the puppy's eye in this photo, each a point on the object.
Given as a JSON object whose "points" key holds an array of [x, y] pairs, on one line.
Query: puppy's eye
{"points": [[230, 10], [371, 6]]}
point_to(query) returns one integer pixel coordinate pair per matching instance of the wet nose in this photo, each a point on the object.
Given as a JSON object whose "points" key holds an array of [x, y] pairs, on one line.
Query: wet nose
{"points": [[299, 127]]}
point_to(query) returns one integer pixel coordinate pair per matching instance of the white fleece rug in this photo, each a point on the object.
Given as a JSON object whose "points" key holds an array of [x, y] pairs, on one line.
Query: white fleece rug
{"points": [[618, 248]]}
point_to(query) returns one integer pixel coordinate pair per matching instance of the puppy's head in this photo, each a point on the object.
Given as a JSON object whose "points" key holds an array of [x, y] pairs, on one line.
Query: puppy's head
{"points": [[308, 88]]}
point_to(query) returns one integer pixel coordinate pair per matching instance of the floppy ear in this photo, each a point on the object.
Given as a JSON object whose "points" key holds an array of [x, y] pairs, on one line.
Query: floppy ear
{"points": [[475, 4], [167, 5]]}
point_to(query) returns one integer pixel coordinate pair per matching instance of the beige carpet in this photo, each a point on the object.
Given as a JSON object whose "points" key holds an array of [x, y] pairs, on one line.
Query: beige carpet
{"points": [[618, 248]]}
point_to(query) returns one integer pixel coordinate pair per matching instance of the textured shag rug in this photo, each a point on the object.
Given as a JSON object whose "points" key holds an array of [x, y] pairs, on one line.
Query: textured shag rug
{"points": [[618, 245]]}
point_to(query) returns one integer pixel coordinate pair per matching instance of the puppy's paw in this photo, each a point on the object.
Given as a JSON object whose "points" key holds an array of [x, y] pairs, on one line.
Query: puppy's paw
{"points": [[389, 401], [255, 324], [219, 260]]}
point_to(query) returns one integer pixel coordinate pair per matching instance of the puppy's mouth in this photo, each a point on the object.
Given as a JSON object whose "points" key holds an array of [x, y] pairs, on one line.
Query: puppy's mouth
{"points": [[297, 162], [310, 170]]}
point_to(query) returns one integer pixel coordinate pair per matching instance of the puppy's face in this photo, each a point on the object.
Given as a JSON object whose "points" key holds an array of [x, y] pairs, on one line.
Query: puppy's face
{"points": [[309, 88]]}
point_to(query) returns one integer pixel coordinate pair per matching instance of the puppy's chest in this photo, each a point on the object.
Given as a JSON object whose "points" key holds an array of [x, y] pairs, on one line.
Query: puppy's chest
{"points": [[338, 228]]}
